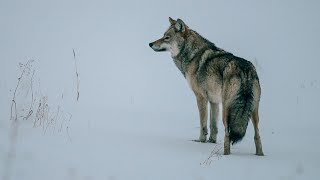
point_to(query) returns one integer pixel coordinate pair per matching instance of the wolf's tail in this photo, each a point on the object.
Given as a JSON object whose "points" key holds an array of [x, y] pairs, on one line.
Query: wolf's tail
{"points": [[240, 111]]}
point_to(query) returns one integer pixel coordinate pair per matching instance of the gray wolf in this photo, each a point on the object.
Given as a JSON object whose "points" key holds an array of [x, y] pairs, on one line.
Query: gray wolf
{"points": [[215, 76]]}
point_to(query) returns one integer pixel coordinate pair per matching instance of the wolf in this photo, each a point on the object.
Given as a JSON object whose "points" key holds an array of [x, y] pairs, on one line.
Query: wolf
{"points": [[215, 76]]}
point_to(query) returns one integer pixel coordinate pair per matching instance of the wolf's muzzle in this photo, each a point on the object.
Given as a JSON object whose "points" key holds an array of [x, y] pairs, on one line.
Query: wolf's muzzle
{"points": [[150, 44]]}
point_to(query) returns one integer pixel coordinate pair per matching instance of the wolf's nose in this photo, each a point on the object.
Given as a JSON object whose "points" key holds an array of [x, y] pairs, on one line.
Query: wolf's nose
{"points": [[150, 44]]}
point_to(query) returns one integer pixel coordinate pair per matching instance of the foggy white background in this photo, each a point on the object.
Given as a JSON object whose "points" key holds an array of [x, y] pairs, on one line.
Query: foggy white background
{"points": [[136, 114]]}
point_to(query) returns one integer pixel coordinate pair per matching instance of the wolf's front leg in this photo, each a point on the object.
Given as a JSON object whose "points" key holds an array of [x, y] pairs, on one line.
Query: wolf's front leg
{"points": [[202, 106]]}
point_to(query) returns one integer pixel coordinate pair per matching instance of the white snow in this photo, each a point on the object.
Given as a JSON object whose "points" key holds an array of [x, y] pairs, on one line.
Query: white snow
{"points": [[136, 115]]}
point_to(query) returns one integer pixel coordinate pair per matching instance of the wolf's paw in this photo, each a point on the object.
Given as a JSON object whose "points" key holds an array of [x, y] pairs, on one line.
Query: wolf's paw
{"points": [[226, 152], [212, 140], [196, 140], [259, 154], [201, 139]]}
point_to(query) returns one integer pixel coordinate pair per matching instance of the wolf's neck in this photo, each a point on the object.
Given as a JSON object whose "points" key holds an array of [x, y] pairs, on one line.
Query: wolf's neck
{"points": [[185, 57], [207, 43], [194, 45]]}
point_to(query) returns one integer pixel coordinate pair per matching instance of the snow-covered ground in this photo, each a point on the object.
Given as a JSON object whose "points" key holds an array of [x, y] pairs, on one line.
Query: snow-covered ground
{"points": [[136, 117]]}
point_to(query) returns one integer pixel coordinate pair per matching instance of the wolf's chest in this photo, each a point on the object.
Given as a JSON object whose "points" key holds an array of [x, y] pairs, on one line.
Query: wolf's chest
{"points": [[192, 82]]}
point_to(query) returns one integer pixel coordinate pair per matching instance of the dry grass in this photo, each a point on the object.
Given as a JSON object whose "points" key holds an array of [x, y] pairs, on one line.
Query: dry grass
{"points": [[28, 104], [26, 68], [215, 154], [77, 74]]}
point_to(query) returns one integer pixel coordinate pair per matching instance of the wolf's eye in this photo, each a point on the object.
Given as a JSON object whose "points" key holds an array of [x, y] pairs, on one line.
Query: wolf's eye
{"points": [[166, 38]]}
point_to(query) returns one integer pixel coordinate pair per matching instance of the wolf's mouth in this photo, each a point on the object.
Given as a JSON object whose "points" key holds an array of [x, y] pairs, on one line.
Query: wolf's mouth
{"points": [[159, 50], [156, 48]]}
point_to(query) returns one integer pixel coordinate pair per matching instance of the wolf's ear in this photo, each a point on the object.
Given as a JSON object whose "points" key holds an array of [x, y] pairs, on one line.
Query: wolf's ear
{"points": [[172, 22], [180, 25]]}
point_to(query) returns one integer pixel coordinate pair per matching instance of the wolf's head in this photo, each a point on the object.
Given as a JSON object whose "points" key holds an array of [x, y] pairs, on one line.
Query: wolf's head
{"points": [[173, 39]]}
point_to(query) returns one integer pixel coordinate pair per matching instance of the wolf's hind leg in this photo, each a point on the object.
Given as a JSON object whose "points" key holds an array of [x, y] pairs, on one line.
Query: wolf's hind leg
{"points": [[214, 113], [257, 140], [226, 132], [202, 106]]}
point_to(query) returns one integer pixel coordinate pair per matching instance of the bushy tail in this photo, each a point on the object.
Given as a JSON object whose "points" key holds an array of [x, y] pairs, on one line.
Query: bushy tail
{"points": [[240, 111]]}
